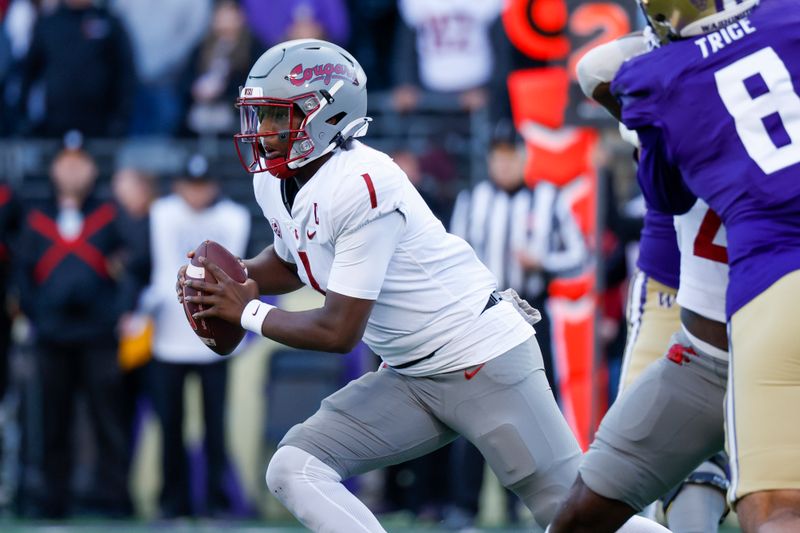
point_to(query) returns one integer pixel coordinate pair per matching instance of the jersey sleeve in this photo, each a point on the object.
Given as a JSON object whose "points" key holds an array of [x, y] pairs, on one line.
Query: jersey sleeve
{"points": [[368, 196], [661, 182], [637, 86], [282, 250], [363, 255], [601, 63]]}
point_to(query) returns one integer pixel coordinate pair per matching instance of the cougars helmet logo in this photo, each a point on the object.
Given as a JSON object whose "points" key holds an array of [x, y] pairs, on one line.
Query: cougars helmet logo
{"points": [[325, 73]]}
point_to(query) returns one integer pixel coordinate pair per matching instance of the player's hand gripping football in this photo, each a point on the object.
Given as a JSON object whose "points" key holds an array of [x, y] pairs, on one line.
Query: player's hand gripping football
{"points": [[179, 282], [226, 299], [528, 312]]}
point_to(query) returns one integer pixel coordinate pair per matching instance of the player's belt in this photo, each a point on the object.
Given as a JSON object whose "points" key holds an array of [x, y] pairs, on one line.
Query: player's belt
{"points": [[493, 300]]}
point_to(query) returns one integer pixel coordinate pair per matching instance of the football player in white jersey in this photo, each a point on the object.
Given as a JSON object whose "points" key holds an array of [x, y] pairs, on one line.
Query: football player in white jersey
{"points": [[458, 358], [672, 417]]}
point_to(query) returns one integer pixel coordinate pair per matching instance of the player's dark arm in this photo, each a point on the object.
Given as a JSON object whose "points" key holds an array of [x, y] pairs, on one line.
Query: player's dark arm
{"points": [[661, 181], [335, 327], [272, 274]]}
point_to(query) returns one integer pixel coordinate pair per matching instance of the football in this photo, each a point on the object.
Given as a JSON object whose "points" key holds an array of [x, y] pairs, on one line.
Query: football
{"points": [[219, 335]]}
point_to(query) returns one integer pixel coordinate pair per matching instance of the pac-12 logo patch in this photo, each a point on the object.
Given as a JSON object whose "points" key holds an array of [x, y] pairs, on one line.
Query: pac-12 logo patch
{"points": [[276, 228], [252, 91]]}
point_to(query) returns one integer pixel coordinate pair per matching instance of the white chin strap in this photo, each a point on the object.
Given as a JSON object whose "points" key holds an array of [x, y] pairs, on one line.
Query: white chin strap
{"points": [[719, 20]]}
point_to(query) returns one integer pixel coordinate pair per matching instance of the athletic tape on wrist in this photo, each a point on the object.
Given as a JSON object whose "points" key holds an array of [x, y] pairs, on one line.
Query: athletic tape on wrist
{"points": [[254, 314]]}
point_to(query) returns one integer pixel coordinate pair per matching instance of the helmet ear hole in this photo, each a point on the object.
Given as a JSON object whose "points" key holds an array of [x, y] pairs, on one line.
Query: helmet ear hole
{"points": [[661, 17], [335, 119]]}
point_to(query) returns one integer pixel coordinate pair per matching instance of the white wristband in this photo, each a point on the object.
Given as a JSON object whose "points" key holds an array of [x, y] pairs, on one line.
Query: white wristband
{"points": [[254, 314]]}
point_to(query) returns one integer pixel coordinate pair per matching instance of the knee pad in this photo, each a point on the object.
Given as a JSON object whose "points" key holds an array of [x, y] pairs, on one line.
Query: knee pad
{"points": [[712, 473], [290, 465], [544, 492], [279, 471]]}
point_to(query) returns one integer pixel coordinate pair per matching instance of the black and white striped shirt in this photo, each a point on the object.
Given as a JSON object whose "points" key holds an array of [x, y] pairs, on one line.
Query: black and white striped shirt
{"points": [[539, 222]]}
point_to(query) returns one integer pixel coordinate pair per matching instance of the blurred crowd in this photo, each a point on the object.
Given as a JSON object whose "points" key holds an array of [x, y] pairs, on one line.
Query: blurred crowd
{"points": [[88, 262], [148, 67]]}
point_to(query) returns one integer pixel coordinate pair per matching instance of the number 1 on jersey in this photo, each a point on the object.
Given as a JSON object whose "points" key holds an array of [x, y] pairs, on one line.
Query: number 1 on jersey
{"points": [[757, 90], [307, 267]]}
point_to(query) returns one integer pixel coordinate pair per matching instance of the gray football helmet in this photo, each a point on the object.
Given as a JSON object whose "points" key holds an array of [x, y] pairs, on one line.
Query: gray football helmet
{"points": [[309, 93]]}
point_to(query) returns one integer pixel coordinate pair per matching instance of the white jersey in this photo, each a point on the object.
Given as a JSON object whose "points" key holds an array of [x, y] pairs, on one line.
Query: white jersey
{"points": [[704, 261], [452, 37], [432, 294], [175, 228]]}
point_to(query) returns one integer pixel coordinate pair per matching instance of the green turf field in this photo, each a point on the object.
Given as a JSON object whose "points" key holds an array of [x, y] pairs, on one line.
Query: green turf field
{"points": [[11, 526]]}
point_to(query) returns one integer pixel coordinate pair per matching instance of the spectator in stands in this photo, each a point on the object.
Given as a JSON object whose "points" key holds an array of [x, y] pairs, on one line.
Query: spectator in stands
{"points": [[525, 240], [135, 190], [444, 46], [81, 54], [280, 20], [179, 222], [9, 219], [9, 227], [433, 189], [17, 27], [5, 52], [73, 300], [376, 21], [164, 35], [221, 64], [16, 31]]}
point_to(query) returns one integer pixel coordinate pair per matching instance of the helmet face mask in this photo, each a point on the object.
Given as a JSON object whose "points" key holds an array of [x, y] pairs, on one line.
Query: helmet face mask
{"points": [[678, 19], [302, 99], [273, 134]]}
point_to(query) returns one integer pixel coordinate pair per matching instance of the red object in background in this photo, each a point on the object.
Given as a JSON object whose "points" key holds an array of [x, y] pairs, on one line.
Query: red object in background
{"points": [[537, 28], [601, 22], [562, 159], [539, 95], [573, 324]]}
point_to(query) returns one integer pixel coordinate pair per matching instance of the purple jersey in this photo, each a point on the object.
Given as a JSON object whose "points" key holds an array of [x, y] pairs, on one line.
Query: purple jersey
{"points": [[723, 111], [659, 257]]}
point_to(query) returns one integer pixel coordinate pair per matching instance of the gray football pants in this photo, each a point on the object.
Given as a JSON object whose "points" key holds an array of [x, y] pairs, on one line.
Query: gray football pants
{"points": [[505, 407], [660, 429]]}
